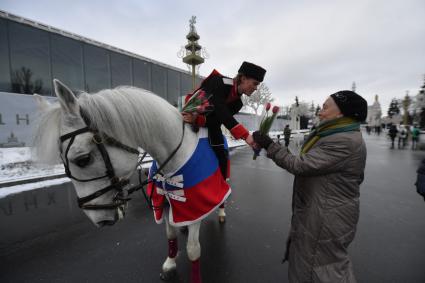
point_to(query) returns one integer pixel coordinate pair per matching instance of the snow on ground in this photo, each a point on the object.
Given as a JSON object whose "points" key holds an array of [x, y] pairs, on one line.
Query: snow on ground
{"points": [[16, 164]]}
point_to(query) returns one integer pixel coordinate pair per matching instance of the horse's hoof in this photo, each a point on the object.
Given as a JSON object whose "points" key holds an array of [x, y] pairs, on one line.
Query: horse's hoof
{"points": [[168, 275], [222, 219]]}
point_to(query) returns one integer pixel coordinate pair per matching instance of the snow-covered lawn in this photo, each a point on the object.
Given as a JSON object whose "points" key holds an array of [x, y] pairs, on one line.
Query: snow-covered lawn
{"points": [[16, 164]]}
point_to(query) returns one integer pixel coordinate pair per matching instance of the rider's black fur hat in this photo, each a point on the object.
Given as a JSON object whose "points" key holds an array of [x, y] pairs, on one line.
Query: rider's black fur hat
{"points": [[252, 71]]}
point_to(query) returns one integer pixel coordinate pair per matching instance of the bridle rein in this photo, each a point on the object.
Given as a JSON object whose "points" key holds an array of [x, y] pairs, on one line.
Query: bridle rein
{"points": [[116, 183]]}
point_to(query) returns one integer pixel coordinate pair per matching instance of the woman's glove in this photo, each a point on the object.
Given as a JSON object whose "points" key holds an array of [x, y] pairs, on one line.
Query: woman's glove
{"points": [[263, 140]]}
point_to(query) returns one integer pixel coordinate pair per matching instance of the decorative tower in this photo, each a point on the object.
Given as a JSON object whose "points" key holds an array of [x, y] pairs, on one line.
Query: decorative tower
{"points": [[374, 113], [406, 104], [192, 53], [353, 87]]}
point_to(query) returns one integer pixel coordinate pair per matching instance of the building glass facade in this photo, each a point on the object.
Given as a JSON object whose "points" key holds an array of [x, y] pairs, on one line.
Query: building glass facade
{"points": [[159, 80], [173, 87], [29, 59], [31, 55], [5, 82], [67, 61], [96, 66], [120, 70]]}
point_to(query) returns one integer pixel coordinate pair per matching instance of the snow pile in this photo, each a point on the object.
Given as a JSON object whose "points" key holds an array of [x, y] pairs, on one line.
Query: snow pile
{"points": [[16, 164]]}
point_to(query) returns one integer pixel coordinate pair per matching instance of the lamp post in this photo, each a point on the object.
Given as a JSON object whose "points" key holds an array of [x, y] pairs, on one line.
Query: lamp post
{"points": [[192, 53]]}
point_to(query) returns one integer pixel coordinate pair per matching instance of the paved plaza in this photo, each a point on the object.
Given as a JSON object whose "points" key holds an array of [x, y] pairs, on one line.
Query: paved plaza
{"points": [[44, 237]]}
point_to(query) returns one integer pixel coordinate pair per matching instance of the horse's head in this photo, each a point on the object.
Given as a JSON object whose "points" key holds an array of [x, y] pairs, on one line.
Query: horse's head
{"points": [[98, 165]]}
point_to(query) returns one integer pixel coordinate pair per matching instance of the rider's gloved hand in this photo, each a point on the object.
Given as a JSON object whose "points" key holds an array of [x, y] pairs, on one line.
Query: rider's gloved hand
{"points": [[189, 117]]}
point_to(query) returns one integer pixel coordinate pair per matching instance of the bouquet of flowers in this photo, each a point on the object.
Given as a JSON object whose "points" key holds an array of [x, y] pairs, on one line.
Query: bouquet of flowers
{"points": [[198, 103], [266, 123]]}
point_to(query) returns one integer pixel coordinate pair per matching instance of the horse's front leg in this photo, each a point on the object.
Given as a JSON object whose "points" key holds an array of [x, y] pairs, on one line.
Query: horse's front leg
{"points": [[221, 214], [170, 265], [221, 211], [194, 252]]}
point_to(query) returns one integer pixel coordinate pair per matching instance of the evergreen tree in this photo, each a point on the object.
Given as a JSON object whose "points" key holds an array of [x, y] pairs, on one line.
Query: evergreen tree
{"points": [[318, 110], [422, 119], [393, 109]]}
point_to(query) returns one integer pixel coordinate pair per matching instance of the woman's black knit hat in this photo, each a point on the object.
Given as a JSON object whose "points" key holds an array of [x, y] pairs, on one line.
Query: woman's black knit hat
{"points": [[252, 71], [351, 104]]}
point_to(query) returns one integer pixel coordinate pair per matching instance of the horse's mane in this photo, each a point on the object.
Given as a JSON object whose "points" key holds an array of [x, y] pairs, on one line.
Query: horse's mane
{"points": [[125, 113]]}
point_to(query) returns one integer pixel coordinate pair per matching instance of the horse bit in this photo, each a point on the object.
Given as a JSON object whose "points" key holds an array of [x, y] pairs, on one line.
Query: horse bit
{"points": [[116, 183]]}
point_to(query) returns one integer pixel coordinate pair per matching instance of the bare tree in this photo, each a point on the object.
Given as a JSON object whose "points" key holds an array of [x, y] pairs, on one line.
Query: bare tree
{"points": [[258, 98], [22, 82]]}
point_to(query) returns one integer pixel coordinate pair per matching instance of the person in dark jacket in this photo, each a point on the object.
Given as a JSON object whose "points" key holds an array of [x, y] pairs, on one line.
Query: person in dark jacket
{"points": [[325, 207], [225, 97], [287, 134], [392, 132], [420, 181]]}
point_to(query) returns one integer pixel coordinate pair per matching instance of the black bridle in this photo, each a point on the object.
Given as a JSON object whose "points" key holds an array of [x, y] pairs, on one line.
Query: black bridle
{"points": [[116, 183]]}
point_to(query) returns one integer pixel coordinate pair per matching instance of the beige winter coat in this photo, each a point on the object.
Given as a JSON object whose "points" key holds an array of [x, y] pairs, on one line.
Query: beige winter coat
{"points": [[325, 206]]}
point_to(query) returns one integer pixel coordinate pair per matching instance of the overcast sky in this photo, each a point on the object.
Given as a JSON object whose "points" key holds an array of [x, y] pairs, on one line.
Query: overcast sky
{"points": [[309, 48]]}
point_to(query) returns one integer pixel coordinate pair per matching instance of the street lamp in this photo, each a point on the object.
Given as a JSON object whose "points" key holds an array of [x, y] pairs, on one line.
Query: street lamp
{"points": [[192, 53]]}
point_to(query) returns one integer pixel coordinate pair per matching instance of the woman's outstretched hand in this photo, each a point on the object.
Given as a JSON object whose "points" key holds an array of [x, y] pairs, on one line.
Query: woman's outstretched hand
{"points": [[262, 140]]}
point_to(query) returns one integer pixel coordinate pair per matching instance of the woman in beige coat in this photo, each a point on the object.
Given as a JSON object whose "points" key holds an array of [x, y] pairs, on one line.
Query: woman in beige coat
{"points": [[328, 173]]}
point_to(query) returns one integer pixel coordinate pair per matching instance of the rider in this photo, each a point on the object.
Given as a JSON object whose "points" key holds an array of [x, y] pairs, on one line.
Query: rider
{"points": [[225, 96]]}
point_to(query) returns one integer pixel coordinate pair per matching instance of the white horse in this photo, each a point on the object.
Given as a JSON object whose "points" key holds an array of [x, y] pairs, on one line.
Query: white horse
{"points": [[95, 136]]}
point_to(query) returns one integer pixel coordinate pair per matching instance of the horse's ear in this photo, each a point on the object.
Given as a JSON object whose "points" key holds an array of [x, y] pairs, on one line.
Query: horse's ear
{"points": [[42, 103], [67, 99]]}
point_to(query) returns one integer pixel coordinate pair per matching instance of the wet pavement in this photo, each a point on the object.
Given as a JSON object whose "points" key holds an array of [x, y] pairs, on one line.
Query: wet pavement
{"points": [[44, 237]]}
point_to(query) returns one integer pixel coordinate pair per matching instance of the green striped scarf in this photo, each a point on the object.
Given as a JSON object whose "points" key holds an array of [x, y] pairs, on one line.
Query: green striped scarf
{"points": [[327, 128]]}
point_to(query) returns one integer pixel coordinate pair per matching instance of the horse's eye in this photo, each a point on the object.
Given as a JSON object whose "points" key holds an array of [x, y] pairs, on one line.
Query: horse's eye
{"points": [[83, 160]]}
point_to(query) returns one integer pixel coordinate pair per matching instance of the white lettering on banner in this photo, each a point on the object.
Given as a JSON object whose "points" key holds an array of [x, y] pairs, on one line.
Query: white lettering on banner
{"points": [[17, 113]]}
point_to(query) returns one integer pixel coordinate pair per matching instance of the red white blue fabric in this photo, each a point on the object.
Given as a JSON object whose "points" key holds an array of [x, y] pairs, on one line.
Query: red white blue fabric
{"points": [[193, 191]]}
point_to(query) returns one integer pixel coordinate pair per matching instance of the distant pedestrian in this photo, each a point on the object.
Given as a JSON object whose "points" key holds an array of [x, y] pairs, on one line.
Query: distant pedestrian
{"points": [[415, 137], [392, 132], [287, 135], [368, 129], [420, 180], [278, 139], [402, 137], [406, 138]]}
